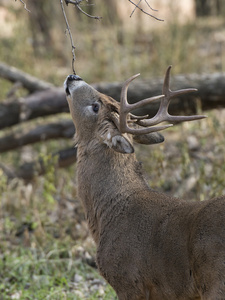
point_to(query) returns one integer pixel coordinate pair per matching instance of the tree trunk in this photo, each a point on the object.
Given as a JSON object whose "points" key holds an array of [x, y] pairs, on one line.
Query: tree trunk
{"points": [[40, 24], [209, 7]]}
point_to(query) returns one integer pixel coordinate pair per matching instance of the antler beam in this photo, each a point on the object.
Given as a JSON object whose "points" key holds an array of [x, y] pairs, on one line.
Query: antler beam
{"points": [[161, 116]]}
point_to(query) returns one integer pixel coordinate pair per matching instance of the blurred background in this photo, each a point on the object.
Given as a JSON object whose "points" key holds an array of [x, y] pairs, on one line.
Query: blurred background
{"points": [[191, 38], [46, 251]]}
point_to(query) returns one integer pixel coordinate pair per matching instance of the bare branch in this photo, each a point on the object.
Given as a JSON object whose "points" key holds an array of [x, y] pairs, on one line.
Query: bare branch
{"points": [[24, 5], [77, 4], [70, 35], [135, 8], [142, 10], [86, 14], [150, 6]]}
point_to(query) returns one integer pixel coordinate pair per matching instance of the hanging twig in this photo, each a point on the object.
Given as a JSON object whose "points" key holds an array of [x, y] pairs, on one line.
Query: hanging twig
{"points": [[142, 10], [24, 5], [77, 4], [70, 35], [86, 14], [150, 6]]}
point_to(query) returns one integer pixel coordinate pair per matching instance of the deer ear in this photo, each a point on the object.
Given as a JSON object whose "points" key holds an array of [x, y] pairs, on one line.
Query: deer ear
{"points": [[149, 138], [121, 144], [117, 142]]}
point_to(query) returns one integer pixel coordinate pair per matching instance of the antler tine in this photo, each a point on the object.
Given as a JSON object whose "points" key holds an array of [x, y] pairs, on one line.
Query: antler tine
{"points": [[162, 114], [170, 94], [125, 108], [166, 87], [123, 98]]}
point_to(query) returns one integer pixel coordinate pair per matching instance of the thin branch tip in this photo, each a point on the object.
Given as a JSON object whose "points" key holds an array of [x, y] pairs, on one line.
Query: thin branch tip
{"points": [[24, 5], [70, 35], [143, 11]]}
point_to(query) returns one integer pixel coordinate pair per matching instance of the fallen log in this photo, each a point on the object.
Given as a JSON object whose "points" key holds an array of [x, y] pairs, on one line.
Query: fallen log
{"points": [[27, 171], [29, 82], [38, 104], [210, 95], [60, 129]]}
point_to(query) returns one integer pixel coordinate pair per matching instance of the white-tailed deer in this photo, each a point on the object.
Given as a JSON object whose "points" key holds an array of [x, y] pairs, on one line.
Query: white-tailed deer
{"points": [[149, 245]]}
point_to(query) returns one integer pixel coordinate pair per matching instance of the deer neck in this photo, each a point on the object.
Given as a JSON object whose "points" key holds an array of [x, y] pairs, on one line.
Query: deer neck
{"points": [[106, 179]]}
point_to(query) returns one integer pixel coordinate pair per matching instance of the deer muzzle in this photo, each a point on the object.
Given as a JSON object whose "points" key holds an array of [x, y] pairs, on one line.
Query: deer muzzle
{"points": [[71, 82]]}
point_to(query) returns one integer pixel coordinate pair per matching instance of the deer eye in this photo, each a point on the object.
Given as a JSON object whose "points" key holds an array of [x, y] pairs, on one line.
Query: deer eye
{"points": [[95, 107]]}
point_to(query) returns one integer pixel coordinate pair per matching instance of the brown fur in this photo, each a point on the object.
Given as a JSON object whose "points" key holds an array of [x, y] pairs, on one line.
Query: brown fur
{"points": [[149, 245]]}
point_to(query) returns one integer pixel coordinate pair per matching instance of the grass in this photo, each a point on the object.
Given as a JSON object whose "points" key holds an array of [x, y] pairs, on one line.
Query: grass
{"points": [[43, 234], [53, 274], [45, 248]]}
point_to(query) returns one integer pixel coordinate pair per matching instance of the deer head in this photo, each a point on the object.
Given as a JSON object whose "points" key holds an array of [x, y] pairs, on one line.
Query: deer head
{"points": [[100, 117]]}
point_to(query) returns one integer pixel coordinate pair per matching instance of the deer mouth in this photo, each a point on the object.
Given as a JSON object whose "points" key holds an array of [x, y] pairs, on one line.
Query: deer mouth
{"points": [[67, 91], [70, 81]]}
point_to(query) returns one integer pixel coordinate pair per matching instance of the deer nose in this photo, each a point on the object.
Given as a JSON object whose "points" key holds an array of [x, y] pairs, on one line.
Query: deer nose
{"points": [[69, 81], [73, 77]]}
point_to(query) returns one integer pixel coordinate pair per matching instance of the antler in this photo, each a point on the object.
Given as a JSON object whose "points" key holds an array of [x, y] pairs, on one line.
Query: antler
{"points": [[162, 114]]}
